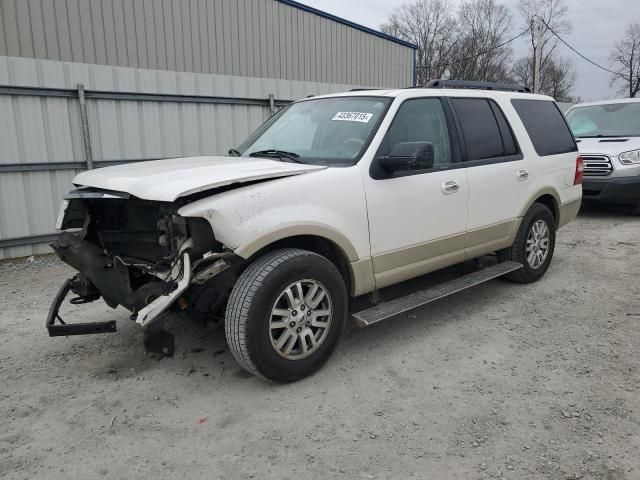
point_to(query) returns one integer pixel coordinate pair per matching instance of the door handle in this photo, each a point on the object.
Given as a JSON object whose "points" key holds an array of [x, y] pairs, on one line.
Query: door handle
{"points": [[450, 187], [522, 174]]}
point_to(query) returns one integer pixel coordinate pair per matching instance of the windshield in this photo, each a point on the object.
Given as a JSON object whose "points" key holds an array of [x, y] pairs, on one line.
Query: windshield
{"points": [[324, 131], [610, 120]]}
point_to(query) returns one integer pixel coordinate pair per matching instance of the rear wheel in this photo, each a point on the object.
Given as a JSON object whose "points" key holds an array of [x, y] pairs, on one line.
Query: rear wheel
{"points": [[533, 246], [285, 314]]}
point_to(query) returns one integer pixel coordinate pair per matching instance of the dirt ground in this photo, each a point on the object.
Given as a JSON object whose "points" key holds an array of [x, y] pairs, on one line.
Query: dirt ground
{"points": [[502, 381]]}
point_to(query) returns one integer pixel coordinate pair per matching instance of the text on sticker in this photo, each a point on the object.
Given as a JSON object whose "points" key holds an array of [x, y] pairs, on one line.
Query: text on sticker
{"points": [[353, 116]]}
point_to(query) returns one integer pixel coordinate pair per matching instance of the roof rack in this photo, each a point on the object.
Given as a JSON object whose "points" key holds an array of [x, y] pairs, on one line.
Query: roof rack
{"points": [[507, 87], [362, 89]]}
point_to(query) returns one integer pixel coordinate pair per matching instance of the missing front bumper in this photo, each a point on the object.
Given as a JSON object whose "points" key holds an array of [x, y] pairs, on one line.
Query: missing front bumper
{"points": [[155, 309], [156, 339], [63, 329]]}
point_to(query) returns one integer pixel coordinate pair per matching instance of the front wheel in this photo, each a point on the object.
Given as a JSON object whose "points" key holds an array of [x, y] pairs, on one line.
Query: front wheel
{"points": [[533, 246], [285, 314]]}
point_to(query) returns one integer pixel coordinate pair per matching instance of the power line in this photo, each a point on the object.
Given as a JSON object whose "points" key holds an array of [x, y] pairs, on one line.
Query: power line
{"points": [[577, 52], [478, 54]]}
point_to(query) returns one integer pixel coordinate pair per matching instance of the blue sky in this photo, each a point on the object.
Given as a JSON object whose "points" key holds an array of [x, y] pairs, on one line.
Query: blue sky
{"points": [[597, 24]]}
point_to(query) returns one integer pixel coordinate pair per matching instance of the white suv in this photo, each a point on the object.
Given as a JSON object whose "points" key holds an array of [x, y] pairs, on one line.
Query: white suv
{"points": [[608, 136], [334, 196]]}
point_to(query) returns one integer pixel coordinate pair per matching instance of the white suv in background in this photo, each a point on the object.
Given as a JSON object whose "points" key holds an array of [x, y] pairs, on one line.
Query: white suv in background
{"points": [[333, 197], [608, 136]]}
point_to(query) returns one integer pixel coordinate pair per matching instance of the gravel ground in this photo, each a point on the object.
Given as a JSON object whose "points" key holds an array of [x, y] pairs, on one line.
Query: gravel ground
{"points": [[502, 381]]}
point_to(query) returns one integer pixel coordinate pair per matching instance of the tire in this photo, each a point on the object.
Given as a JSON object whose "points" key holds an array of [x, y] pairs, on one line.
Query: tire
{"points": [[256, 312], [518, 251]]}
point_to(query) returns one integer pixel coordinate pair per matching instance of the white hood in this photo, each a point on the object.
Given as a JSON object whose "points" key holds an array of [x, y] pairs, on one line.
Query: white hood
{"points": [[166, 180], [608, 146]]}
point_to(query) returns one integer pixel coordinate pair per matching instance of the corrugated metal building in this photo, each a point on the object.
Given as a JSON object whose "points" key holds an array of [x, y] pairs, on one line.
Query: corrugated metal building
{"points": [[254, 38], [157, 78]]}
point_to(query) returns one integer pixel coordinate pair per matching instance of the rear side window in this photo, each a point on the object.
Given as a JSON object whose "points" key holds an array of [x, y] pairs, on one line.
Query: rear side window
{"points": [[485, 130], [546, 127]]}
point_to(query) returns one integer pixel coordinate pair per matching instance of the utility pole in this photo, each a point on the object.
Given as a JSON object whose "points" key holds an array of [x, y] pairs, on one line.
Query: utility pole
{"points": [[537, 52]]}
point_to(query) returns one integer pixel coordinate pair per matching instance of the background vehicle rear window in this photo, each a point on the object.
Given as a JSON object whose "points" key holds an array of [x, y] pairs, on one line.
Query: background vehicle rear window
{"points": [[483, 127], [546, 127]]}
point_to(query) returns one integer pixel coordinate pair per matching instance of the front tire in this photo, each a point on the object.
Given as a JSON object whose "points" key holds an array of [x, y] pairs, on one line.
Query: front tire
{"points": [[285, 314], [534, 245]]}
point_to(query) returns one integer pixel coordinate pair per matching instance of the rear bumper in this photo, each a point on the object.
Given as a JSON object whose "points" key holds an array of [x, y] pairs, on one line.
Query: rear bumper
{"points": [[622, 190]]}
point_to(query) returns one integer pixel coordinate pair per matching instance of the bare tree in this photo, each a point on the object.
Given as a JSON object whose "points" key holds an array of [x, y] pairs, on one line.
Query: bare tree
{"points": [[480, 52], [625, 57], [431, 26], [560, 78], [553, 13], [522, 71], [557, 76]]}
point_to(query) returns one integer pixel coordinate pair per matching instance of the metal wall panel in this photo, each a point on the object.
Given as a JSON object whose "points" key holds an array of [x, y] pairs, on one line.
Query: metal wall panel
{"points": [[45, 129], [258, 38]]}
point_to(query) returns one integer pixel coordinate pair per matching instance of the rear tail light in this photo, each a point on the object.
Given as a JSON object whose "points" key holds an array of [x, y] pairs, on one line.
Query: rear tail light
{"points": [[577, 180]]}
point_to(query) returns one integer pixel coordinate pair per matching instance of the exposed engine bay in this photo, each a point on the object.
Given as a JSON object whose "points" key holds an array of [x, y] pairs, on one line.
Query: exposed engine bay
{"points": [[142, 255]]}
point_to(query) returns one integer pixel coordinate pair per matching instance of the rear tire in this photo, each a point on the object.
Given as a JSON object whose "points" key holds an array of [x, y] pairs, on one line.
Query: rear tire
{"points": [[533, 246], [285, 314]]}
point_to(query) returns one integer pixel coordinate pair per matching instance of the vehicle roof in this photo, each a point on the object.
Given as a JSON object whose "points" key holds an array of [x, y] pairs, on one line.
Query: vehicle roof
{"points": [[437, 92], [606, 102]]}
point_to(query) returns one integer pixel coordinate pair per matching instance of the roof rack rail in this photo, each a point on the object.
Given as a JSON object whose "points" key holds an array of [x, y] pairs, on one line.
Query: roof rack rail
{"points": [[507, 87], [361, 89]]}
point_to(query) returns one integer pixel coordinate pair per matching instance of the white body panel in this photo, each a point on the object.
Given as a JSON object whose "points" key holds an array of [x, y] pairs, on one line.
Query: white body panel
{"points": [[412, 210], [166, 180], [331, 200], [497, 193]]}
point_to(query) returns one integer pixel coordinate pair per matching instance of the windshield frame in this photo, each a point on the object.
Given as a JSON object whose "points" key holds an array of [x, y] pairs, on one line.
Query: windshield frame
{"points": [[575, 109], [257, 133]]}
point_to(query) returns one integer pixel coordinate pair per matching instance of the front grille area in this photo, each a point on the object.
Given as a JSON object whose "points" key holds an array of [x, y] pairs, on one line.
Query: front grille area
{"points": [[597, 165], [127, 228]]}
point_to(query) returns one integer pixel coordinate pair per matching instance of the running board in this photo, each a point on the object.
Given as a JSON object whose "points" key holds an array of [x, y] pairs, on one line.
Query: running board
{"points": [[392, 308]]}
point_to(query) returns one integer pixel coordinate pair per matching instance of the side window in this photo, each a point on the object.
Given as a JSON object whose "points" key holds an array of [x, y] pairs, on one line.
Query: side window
{"points": [[420, 120], [509, 141], [546, 126], [485, 130]]}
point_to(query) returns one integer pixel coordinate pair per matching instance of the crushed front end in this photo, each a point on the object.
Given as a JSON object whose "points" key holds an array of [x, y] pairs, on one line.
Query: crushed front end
{"points": [[142, 255]]}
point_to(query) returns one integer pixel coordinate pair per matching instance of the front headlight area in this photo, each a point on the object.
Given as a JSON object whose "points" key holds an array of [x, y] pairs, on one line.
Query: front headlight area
{"points": [[630, 158]]}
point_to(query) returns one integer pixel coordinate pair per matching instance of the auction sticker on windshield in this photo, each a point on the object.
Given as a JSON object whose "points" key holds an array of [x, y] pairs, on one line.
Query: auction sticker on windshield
{"points": [[353, 116]]}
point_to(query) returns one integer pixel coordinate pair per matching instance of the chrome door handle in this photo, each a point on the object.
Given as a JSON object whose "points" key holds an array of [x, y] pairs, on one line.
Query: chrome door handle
{"points": [[450, 187], [522, 174]]}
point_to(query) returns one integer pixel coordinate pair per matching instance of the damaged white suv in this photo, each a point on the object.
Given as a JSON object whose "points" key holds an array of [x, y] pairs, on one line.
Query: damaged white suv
{"points": [[332, 197]]}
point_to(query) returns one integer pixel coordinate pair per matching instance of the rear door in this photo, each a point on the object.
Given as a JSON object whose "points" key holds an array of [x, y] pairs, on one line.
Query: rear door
{"points": [[554, 149], [417, 219], [497, 172]]}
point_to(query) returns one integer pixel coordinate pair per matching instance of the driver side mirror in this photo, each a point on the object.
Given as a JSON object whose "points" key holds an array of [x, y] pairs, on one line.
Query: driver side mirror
{"points": [[408, 156]]}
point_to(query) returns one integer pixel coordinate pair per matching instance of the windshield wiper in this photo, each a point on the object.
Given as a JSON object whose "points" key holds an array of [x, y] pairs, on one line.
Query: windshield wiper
{"points": [[234, 153], [281, 154]]}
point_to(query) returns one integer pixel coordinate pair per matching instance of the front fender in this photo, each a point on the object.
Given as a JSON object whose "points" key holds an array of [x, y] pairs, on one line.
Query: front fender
{"points": [[294, 229], [328, 204]]}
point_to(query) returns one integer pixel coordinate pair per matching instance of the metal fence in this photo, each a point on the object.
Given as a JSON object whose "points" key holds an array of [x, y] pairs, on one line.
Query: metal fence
{"points": [[57, 118]]}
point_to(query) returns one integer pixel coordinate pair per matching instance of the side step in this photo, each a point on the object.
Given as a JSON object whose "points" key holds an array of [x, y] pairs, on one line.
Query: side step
{"points": [[392, 308]]}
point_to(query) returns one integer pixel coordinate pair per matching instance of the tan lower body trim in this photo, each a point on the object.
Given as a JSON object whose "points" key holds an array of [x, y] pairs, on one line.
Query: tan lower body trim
{"points": [[399, 274], [397, 266], [417, 253], [489, 239], [362, 279], [568, 211]]}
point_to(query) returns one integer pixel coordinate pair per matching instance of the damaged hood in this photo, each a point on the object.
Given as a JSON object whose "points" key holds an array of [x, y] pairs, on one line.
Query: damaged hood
{"points": [[167, 180]]}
